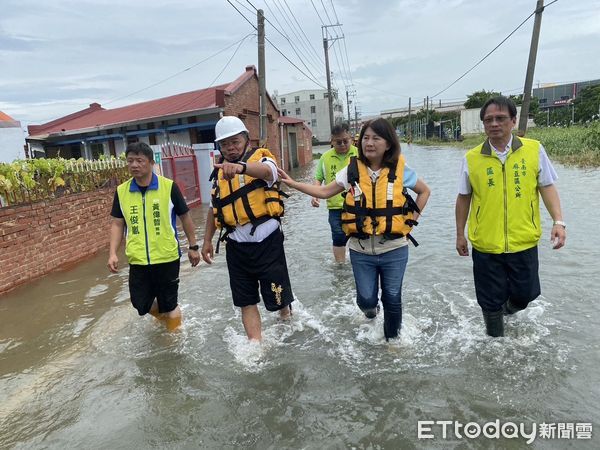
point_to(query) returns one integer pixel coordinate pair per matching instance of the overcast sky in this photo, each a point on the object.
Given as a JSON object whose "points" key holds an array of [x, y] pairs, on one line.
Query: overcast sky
{"points": [[57, 56]]}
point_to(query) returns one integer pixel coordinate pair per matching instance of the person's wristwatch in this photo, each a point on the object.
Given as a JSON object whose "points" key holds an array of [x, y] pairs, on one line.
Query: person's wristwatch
{"points": [[244, 167], [194, 247], [559, 222]]}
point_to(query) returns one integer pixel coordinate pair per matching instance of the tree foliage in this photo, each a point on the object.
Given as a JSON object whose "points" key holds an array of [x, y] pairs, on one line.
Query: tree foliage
{"points": [[478, 98], [587, 104]]}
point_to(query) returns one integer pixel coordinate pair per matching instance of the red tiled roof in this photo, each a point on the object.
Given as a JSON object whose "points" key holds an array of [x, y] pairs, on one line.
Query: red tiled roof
{"points": [[5, 117], [96, 116]]}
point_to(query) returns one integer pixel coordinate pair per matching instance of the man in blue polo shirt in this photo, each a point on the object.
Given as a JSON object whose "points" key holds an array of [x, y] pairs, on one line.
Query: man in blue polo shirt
{"points": [[144, 210]]}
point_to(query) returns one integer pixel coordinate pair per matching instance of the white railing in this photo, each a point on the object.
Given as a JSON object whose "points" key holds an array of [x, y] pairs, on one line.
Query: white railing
{"points": [[100, 164]]}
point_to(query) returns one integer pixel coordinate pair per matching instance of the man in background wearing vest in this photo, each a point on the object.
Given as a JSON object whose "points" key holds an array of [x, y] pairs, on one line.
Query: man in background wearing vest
{"points": [[145, 207], [330, 163], [246, 207], [499, 184]]}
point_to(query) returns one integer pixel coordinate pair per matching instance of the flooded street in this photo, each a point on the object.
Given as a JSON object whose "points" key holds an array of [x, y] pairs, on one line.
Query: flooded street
{"points": [[79, 369]]}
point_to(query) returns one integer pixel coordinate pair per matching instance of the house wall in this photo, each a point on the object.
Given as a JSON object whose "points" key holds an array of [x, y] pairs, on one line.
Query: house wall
{"points": [[244, 104], [12, 141], [39, 238]]}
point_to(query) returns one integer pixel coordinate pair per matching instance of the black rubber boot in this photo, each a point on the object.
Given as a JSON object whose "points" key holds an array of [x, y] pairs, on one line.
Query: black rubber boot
{"points": [[494, 323], [391, 324], [371, 313], [510, 308]]}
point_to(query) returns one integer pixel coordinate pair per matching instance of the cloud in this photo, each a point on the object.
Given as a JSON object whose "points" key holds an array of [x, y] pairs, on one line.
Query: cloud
{"points": [[66, 51]]}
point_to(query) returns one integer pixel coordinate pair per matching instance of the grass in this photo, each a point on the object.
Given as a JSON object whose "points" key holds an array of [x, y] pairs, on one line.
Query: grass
{"points": [[576, 145]]}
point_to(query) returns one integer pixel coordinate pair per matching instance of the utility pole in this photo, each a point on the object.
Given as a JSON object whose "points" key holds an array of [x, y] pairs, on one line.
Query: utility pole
{"points": [[427, 113], [348, 106], [535, 37], [326, 50], [409, 137], [356, 120], [262, 82], [329, 96]]}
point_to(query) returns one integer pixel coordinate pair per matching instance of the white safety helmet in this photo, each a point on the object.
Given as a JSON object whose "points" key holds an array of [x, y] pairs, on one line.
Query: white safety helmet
{"points": [[229, 126]]}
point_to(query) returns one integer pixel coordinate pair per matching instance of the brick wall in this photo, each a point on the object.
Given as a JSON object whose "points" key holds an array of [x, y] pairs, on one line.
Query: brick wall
{"points": [[244, 104], [39, 238]]}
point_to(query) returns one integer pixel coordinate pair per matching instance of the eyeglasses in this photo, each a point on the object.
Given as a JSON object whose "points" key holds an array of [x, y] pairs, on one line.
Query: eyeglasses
{"points": [[499, 119], [341, 141]]}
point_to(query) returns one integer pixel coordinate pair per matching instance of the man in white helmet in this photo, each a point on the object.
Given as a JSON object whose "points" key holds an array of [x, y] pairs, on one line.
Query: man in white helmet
{"points": [[246, 207]]}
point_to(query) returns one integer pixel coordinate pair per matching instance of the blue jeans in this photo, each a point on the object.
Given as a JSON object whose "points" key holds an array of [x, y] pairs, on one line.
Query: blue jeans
{"points": [[388, 267], [338, 236]]}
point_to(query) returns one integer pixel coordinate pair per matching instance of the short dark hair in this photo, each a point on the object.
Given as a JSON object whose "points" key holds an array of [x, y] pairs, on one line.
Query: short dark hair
{"points": [[340, 128], [384, 129], [140, 148], [502, 103]]}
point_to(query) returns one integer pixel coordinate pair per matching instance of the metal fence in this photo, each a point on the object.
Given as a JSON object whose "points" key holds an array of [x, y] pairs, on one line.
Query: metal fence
{"points": [[179, 164]]}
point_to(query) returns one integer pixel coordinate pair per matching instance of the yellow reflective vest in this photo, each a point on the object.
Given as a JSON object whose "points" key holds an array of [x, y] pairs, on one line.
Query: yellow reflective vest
{"points": [[504, 214], [245, 199], [377, 208], [151, 235]]}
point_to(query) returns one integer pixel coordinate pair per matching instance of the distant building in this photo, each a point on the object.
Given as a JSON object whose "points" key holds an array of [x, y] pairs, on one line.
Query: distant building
{"points": [[188, 118], [557, 95], [439, 107], [312, 107], [12, 139]]}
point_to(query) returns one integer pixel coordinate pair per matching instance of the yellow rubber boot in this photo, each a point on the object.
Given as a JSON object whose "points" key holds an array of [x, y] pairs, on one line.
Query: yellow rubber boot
{"points": [[172, 323]]}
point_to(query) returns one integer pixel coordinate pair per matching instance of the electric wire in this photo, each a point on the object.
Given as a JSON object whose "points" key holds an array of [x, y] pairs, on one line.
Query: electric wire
{"points": [[277, 49], [178, 73], [491, 51], [284, 35]]}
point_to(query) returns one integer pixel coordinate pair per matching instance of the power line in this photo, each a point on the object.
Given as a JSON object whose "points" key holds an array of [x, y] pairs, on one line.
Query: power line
{"points": [[192, 100], [319, 56], [277, 49], [382, 91], [325, 9], [285, 17], [489, 53], [318, 15], [180, 72], [286, 37]]}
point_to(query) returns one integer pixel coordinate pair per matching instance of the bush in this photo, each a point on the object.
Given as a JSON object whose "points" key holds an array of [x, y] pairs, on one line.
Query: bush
{"points": [[31, 180]]}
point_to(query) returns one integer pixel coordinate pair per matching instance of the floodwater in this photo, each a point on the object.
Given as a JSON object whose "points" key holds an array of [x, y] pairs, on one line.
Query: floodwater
{"points": [[80, 369]]}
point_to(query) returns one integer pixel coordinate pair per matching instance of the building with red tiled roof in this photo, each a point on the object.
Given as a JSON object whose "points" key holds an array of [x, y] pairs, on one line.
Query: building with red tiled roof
{"points": [[12, 139], [187, 118]]}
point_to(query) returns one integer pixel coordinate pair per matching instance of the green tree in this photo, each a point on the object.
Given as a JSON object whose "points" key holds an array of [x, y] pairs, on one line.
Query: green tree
{"points": [[478, 98], [587, 104]]}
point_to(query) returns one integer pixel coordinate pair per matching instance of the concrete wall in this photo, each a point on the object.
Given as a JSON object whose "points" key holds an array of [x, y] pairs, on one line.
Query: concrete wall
{"points": [[42, 237], [470, 123], [12, 140]]}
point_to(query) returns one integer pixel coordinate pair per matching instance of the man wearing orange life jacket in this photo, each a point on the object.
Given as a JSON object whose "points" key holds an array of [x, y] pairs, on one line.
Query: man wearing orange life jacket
{"points": [[246, 207]]}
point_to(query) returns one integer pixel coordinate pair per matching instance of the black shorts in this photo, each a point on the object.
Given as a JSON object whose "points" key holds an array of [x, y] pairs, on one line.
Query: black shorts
{"points": [[155, 281], [254, 264], [499, 277]]}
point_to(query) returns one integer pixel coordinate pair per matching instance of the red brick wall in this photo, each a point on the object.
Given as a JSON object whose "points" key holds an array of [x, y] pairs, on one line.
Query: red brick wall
{"points": [[42, 237], [244, 104], [304, 145]]}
